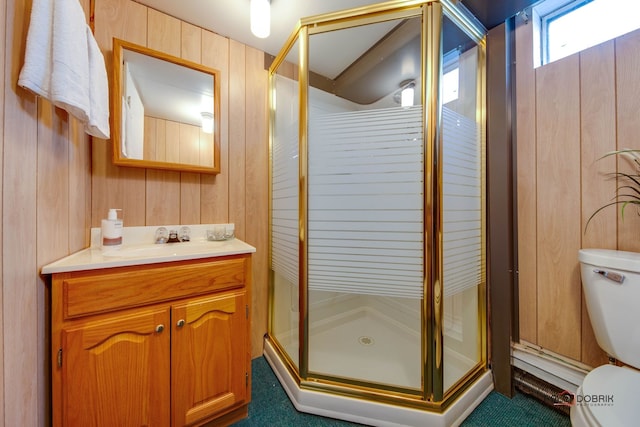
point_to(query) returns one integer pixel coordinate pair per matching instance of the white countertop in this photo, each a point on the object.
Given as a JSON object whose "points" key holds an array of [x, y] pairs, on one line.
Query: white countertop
{"points": [[138, 248]]}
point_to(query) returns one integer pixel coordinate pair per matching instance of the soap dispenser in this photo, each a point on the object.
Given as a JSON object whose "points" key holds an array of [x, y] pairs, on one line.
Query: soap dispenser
{"points": [[112, 229]]}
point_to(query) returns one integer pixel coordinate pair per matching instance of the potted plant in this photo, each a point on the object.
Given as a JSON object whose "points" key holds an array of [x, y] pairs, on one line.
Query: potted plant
{"points": [[628, 189]]}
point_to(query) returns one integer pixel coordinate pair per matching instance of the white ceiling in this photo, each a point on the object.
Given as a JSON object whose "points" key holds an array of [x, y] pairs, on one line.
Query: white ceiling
{"points": [[230, 18]]}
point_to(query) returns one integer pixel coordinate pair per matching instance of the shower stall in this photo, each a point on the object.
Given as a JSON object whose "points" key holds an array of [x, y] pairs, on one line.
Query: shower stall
{"points": [[377, 214]]}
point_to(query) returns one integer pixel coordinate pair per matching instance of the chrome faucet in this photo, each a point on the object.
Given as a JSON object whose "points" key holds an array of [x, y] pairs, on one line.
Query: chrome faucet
{"points": [[173, 237], [163, 235]]}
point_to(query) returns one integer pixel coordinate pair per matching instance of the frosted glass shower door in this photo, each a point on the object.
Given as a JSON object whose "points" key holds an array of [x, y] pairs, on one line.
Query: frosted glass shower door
{"points": [[284, 217], [365, 218], [463, 216], [365, 245]]}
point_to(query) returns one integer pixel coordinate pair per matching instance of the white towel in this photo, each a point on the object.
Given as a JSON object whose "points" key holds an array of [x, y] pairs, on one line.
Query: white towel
{"points": [[36, 71], [64, 64], [70, 56], [124, 138], [98, 123]]}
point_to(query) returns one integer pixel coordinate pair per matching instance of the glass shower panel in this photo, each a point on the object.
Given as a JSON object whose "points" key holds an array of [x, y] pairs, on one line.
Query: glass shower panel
{"points": [[365, 206], [285, 311], [463, 216]]}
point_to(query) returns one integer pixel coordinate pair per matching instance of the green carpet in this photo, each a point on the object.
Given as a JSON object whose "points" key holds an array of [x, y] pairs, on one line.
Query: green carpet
{"points": [[271, 407]]}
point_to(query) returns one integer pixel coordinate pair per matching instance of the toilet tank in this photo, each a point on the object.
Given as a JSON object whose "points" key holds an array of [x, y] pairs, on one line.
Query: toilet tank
{"points": [[613, 307]]}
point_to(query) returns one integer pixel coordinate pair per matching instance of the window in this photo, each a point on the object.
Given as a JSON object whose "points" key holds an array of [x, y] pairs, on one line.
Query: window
{"points": [[569, 27], [450, 76], [450, 82]]}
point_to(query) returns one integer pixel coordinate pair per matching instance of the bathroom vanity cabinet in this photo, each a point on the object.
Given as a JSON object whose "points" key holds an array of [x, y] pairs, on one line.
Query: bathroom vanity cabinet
{"points": [[153, 344]]}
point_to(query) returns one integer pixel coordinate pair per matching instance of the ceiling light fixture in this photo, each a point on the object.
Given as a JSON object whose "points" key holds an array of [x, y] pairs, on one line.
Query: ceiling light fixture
{"points": [[406, 96], [207, 122], [260, 18]]}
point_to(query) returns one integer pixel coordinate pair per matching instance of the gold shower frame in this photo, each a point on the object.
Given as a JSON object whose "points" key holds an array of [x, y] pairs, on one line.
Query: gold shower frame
{"points": [[431, 396]]}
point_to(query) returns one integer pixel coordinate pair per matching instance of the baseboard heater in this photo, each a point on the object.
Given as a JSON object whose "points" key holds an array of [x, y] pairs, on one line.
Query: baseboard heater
{"points": [[541, 390], [550, 378]]}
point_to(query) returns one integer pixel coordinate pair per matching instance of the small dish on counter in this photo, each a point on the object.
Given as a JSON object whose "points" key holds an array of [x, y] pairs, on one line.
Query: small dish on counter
{"points": [[221, 232]]}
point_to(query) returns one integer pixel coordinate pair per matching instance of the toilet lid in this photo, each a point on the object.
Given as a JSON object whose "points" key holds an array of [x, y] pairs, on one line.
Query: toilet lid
{"points": [[612, 395]]}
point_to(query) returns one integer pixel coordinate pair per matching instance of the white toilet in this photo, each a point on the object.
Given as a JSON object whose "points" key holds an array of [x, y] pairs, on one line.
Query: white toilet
{"points": [[610, 395]]}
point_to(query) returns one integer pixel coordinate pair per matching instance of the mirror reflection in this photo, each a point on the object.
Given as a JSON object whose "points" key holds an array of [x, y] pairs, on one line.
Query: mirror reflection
{"points": [[166, 111]]}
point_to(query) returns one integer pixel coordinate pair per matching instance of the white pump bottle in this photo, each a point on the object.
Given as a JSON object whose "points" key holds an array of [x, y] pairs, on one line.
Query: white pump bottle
{"points": [[112, 230]]}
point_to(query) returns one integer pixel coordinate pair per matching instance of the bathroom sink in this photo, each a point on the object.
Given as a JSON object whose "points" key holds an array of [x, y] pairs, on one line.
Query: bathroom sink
{"points": [[139, 249], [163, 250]]}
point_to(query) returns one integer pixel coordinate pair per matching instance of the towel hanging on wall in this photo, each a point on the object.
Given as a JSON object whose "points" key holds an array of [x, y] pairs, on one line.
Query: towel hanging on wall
{"points": [[63, 64]]}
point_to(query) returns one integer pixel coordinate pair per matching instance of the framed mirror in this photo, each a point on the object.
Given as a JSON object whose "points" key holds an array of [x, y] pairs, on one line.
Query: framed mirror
{"points": [[166, 111]]}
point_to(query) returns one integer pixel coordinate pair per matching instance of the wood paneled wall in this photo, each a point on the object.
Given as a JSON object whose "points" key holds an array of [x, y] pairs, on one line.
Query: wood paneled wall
{"points": [[175, 142], [46, 193], [239, 193], [569, 114], [57, 184]]}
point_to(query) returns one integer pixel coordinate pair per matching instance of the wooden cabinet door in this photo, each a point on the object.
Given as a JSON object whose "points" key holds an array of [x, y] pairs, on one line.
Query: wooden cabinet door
{"points": [[209, 359], [115, 372]]}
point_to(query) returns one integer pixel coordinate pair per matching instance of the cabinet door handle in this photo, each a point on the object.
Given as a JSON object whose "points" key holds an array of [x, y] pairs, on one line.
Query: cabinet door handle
{"points": [[159, 328], [180, 323]]}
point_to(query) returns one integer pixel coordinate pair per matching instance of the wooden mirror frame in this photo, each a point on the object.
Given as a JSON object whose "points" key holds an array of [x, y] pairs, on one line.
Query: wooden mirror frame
{"points": [[119, 46]]}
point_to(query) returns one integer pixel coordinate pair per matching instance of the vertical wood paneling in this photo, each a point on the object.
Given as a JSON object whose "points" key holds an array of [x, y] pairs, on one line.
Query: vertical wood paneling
{"points": [[189, 144], [45, 157], [598, 136], [628, 108], [79, 187], [214, 191], [189, 198], [190, 42], [558, 205], [3, 61], [150, 139], [526, 182], [164, 33], [163, 187], [113, 186], [191, 49], [171, 133], [22, 404], [52, 182], [607, 107], [52, 209], [256, 199], [162, 138], [237, 132]]}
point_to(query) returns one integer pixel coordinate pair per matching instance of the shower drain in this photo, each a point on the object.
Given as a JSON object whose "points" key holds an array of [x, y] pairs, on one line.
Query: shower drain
{"points": [[365, 340]]}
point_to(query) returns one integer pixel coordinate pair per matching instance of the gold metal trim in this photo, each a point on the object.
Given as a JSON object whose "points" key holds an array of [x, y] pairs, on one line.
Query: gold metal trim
{"points": [[388, 7], [364, 20], [364, 384], [481, 112], [271, 278], [433, 304], [303, 143], [377, 395], [284, 51], [460, 386], [284, 357], [433, 396]]}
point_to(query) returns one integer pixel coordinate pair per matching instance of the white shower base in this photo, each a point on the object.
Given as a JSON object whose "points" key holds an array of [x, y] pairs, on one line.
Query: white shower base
{"points": [[365, 344], [375, 413]]}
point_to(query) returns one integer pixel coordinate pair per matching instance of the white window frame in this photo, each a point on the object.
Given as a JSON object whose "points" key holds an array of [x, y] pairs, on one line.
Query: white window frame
{"points": [[549, 16], [547, 12]]}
